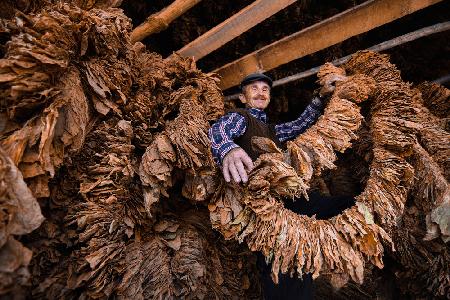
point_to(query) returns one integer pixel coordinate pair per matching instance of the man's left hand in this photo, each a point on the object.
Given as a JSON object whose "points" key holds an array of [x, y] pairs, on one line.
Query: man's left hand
{"points": [[330, 84]]}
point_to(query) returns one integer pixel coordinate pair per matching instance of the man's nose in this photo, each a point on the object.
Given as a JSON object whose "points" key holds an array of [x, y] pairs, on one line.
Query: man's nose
{"points": [[261, 92]]}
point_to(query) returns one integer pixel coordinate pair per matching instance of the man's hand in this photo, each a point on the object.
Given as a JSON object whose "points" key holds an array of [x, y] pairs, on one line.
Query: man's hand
{"points": [[238, 164], [329, 84]]}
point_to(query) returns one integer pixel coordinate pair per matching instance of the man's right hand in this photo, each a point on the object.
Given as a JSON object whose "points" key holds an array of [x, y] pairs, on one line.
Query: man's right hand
{"points": [[238, 164]]}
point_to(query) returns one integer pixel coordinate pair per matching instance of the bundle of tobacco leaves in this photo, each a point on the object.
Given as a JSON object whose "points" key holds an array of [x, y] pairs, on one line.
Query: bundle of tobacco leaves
{"points": [[407, 190], [79, 107]]}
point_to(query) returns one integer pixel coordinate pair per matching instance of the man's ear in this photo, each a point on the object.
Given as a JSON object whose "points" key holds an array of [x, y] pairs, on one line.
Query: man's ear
{"points": [[242, 98]]}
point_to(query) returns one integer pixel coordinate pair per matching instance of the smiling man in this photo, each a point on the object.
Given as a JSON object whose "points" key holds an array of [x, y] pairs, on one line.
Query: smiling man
{"points": [[231, 135]]}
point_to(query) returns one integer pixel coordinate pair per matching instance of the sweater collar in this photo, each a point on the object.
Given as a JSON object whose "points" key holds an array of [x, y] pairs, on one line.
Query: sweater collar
{"points": [[258, 113]]}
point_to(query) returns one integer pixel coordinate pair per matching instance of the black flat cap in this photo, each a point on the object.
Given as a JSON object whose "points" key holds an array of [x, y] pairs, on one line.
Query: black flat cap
{"points": [[255, 77]]}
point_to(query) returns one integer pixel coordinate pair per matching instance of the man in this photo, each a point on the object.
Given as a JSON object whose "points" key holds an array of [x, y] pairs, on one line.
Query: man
{"points": [[231, 147], [255, 94]]}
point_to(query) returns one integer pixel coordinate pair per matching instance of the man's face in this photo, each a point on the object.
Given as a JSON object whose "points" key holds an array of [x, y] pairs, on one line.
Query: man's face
{"points": [[256, 95]]}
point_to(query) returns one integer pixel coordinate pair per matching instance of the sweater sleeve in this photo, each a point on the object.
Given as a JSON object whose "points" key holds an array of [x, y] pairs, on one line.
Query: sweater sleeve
{"points": [[223, 132], [290, 130]]}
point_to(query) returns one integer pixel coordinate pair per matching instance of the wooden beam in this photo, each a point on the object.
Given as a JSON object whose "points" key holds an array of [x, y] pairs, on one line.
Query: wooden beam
{"points": [[400, 40], [161, 20], [336, 29], [234, 26], [442, 80]]}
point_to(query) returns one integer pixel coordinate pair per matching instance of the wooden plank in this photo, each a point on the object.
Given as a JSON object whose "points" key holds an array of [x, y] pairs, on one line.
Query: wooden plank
{"points": [[400, 40], [161, 20], [336, 29], [234, 26]]}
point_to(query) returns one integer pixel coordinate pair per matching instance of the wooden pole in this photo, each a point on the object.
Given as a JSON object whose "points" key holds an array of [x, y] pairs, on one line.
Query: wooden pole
{"points": [[443, 79], [338, 28], [403, 39], [161, 20], [234, 26]]}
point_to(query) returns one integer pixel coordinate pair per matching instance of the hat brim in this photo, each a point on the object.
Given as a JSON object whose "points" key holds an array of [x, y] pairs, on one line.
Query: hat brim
{"points": [[255, 77]]}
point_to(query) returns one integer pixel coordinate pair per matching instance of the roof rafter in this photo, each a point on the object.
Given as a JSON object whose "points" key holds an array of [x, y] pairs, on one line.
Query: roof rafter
{"points": [[234, 26], [331, 31], [161, 20]]}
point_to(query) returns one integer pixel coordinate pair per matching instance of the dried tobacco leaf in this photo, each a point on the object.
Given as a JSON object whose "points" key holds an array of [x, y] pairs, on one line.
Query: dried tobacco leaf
{"points": [[19, 214], [435, 97]]}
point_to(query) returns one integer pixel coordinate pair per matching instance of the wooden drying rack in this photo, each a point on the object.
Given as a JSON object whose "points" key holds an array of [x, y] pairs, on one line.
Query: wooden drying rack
{"points": [[352, 22]]}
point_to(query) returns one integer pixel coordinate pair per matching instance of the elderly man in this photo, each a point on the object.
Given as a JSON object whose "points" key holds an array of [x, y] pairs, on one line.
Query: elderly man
{"points": [[231, 134], [231, 147]]}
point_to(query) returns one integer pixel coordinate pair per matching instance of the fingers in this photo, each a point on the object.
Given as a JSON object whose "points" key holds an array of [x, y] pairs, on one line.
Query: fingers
{"points": [[234, 172], [340, 77], [327, 88], [330, 88], [329, 83], [226, 171], [248, 163], [332, 80], [240, 168]]}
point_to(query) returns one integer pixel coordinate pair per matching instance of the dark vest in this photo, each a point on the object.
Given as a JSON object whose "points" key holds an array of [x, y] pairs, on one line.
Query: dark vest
{"points": [[255, 127]]}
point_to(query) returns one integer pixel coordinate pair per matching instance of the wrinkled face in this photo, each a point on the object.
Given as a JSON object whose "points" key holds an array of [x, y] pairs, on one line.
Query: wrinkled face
{"points": [[256, 95]]}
